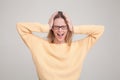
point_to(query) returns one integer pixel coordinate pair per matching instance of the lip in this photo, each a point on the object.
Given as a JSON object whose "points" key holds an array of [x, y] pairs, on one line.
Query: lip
{"points": [[60, 36]]}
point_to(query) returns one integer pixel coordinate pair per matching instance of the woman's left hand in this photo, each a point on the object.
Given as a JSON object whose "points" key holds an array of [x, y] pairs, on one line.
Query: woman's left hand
{"points": [[69, 21]]}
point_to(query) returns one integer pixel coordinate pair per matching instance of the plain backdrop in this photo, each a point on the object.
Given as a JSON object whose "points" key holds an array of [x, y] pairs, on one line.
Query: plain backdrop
{"points": [[101, 63]]}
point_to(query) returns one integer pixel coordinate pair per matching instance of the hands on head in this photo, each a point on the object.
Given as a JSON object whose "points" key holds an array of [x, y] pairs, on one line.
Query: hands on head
{"points": [[51, 20]]}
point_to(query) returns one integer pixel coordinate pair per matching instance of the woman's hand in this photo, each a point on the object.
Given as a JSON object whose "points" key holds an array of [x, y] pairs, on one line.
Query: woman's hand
{"points": [[69, 21], [50, 22]]}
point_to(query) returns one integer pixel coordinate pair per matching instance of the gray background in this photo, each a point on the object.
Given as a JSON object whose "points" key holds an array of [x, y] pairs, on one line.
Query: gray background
{"points": [[102, 62]]}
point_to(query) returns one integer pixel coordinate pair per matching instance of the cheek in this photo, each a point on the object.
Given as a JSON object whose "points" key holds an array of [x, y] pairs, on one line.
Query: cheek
{"points": [[66, 32], [54, 32]]}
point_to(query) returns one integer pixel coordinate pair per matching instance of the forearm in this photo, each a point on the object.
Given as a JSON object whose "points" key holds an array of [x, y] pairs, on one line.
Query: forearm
{"points": [[28, 28], [90, 30]]}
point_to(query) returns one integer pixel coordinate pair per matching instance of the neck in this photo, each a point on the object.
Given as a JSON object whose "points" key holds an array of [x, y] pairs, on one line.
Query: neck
{"points": [[58, 42]]}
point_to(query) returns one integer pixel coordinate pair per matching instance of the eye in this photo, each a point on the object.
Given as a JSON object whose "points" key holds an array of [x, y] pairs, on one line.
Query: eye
{"points": [[64, 27]]}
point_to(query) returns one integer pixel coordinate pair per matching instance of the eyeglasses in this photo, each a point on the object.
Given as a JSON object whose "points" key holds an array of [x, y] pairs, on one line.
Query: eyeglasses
{"points": [[62, 27]]}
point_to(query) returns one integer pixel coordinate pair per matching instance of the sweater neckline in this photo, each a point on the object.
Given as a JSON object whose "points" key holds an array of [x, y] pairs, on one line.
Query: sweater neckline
{"points": [[58, 44]]}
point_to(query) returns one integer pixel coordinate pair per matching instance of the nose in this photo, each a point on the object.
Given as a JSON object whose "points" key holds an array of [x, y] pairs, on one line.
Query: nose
{"points": [[59, 29]]}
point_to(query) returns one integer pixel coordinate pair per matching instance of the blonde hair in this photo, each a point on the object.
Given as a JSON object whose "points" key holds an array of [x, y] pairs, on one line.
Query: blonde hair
{"points": [[68, 38]]}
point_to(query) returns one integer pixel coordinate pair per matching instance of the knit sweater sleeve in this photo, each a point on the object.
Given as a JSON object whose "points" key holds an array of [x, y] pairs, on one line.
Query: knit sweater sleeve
{"points": [[93, 33], [25, 31]]}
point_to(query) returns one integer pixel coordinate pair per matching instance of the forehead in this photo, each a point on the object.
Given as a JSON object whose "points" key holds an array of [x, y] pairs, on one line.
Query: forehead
{"points": [[59, 21]]}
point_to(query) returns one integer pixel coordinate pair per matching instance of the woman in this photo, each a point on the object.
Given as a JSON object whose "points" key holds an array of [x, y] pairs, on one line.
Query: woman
{"points": [[58, 57]]}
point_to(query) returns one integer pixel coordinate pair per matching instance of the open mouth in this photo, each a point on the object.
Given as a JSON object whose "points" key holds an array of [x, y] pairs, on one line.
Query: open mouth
{"points": [[60, 35]]}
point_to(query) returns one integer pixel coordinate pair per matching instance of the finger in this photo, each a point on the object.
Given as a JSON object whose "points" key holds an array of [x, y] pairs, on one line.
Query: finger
{"points": [[52, 18], [69, 21]]}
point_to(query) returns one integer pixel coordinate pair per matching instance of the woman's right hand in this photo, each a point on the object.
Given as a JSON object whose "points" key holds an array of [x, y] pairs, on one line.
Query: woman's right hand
{"points": [[50, 22]]}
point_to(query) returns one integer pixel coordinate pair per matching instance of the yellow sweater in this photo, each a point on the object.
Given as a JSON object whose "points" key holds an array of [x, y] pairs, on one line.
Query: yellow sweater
{"points": [[58, 61]]}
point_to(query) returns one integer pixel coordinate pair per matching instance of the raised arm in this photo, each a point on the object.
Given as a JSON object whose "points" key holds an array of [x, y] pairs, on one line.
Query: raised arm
{"points": [[25, 30], [93, 33], [32, 27]]}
